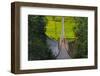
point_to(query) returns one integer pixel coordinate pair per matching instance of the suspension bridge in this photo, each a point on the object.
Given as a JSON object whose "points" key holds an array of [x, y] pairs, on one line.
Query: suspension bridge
{"points": [[59, 48]]}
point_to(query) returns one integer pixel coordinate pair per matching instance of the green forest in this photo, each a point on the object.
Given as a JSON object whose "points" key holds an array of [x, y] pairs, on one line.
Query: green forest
{"points": [[42, 27], [54, 27]]}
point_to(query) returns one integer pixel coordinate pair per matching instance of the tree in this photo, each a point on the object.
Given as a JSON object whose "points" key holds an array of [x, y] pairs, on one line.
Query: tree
{"points": [[37, 46], [81, 31]]}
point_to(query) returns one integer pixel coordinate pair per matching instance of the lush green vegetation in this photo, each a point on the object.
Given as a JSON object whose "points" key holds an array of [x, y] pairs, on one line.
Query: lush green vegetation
{"points": [[37, 46], [54, 27], [81, 30]]}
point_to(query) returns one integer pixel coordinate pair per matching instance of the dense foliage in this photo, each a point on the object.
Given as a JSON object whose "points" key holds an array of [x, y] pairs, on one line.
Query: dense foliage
{"points": [[37, 46], [81, 30], [54, 27]]}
